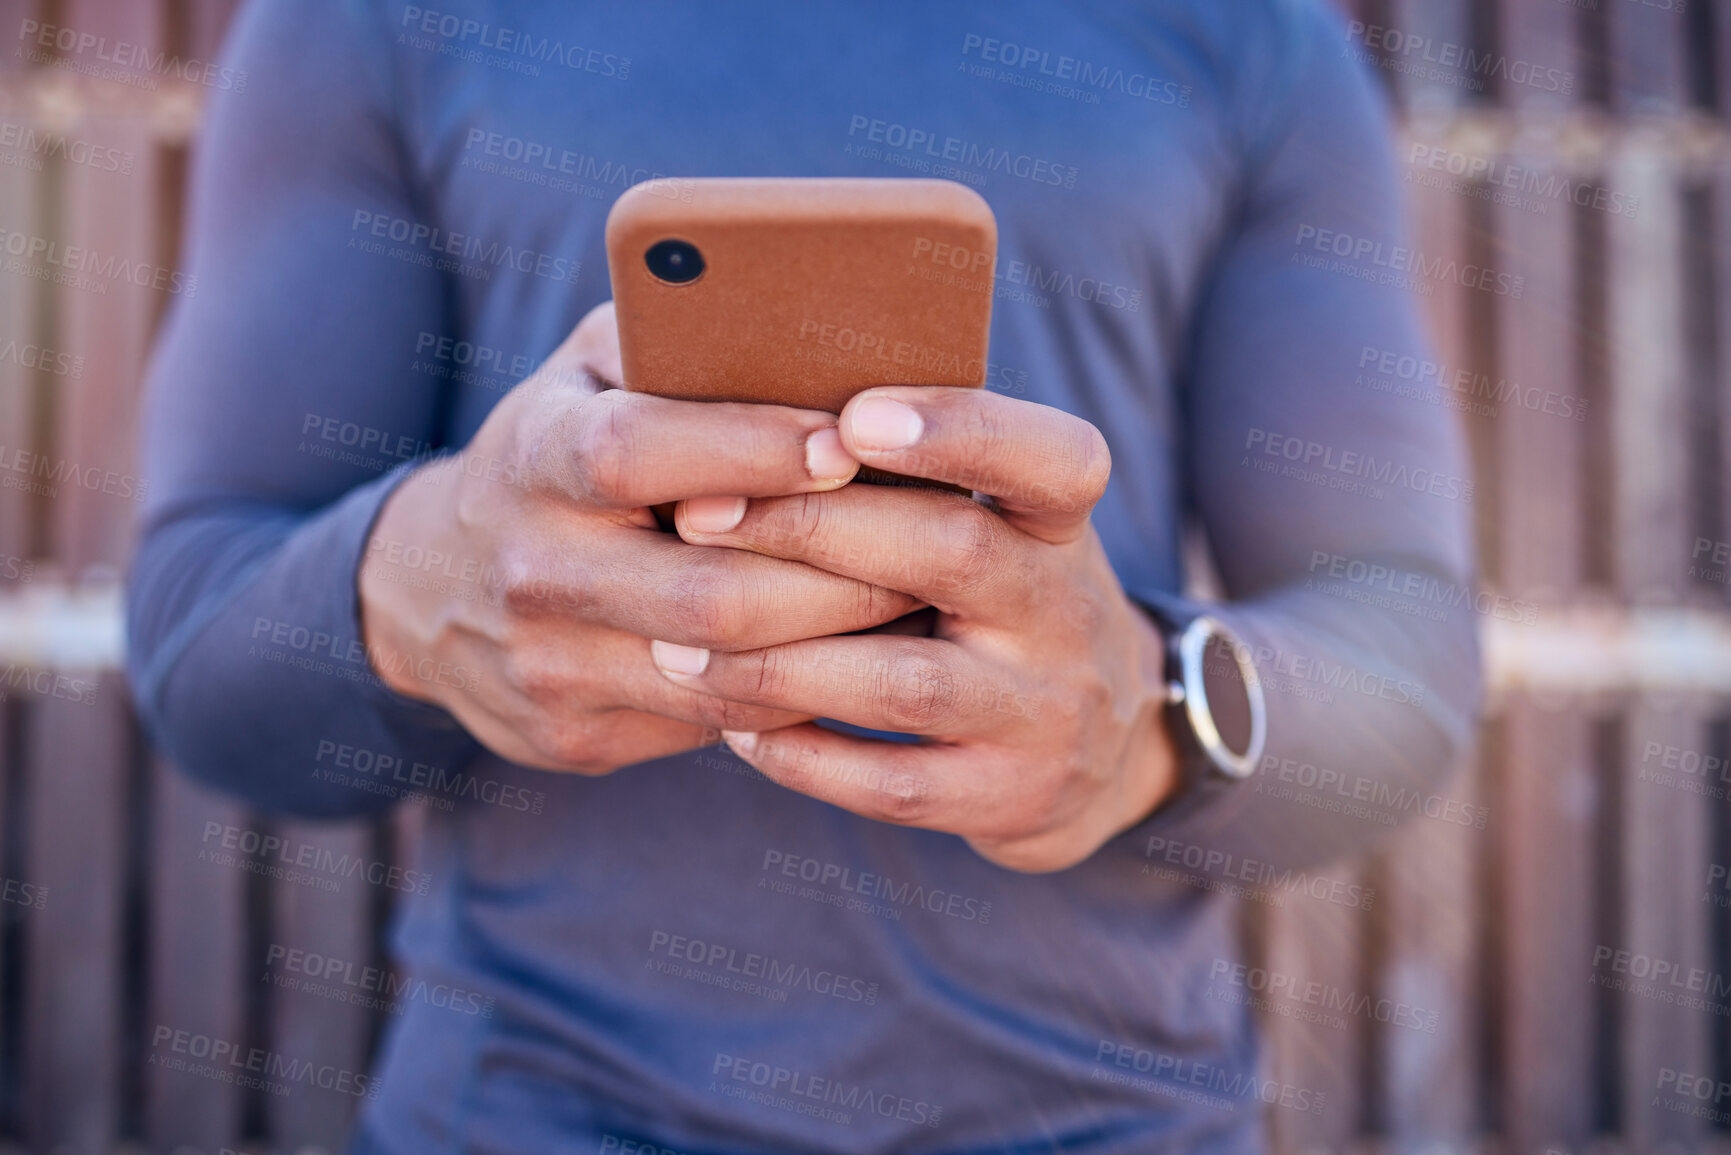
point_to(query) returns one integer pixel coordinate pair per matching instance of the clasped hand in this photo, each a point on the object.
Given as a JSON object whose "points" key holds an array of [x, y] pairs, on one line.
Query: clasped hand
{"points": [[1036, 691]]}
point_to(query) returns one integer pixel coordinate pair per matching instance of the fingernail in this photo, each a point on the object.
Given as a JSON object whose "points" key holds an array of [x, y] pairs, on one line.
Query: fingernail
{"points": [[882, 424], [685, 660], [741, 742], [713, 514], [825, 459]]}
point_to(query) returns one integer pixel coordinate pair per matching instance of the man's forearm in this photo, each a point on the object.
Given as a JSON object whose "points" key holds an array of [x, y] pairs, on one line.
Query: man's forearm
{"points": [[1368, 713], [260, 665]]}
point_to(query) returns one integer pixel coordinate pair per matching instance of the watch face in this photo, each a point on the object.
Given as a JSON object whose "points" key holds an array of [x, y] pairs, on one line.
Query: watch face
{"points": [[1223, 697], [1228, 696]]}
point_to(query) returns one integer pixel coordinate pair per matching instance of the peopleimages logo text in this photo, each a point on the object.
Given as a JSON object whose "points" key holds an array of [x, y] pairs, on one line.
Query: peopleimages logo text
{"points": [[879, 886], [1381, 471], [81, 260], [463, 246], [58, 146], [1541, 184], [1069, 68], [796, 1085], [231, 1062], [1365, 252], [524, 47], [1475, 67], [959, 151], [35, 35]]}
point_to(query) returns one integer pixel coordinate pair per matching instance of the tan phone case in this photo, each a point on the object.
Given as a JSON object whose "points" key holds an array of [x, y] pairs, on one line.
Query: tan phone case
{"points": [[804, 290]]}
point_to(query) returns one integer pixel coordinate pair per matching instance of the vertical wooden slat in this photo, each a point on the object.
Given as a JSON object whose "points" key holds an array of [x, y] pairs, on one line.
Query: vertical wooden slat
{"points": [[1541, 543], [13, 12], [1717, 391], [308, 1028], [1720, 62], [208, 21], [1543, 40], [407, 825], [20, 320], [97, 412], [1437, 76], [197, 962], [1545, 813], [1427, 903], [77, 843], [1663, 835], [202, 976], [1647, 71], [1544, 804], [78, 771], [1315, 942]]}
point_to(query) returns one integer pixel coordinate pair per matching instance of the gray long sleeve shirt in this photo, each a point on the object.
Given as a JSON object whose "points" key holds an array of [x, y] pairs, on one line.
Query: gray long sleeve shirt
{"points": [[1201, 252]]}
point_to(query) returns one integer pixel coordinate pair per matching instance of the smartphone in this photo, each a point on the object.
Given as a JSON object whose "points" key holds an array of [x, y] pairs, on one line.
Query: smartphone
{"points": [[801, 291]]}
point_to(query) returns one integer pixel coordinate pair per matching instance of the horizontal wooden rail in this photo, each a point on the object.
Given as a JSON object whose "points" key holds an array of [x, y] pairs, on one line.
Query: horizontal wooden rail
{"points": [[1584, 649]]}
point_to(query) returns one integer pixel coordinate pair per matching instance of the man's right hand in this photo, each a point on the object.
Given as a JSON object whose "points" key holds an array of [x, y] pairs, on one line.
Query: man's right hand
{"points": [[552, 574]]}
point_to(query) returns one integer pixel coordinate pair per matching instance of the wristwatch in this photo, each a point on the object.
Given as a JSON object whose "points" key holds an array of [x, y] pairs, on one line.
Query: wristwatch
{"points": [[1215, 708]]}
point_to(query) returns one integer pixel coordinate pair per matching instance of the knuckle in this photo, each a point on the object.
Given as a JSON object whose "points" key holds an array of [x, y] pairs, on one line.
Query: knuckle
{"points": [[530, 438], [877, 605], [796, 525], [530, 672], [602, 449], [725, 714], [992, 438], [521, 583], [1095, 693], [707, 603], [921, 691], [1031, 856], [533, 433], [565, 741], [1086, 696], [974, 549], [770, 676], [1082, 610], [798, 765], [596, 761], [901, 798], [762, 450]]}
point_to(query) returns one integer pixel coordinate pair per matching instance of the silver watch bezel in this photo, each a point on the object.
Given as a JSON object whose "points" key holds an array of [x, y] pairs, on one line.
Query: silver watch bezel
{"points": [[1193, 695]]}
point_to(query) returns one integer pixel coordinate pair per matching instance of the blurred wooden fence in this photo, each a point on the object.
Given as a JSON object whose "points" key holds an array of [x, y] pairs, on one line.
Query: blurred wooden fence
{"points": [[1606, 508]]}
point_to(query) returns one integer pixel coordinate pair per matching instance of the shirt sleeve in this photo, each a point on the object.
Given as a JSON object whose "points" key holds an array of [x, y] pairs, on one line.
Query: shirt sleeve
{"points": [[1336, 496], [281, 407]]}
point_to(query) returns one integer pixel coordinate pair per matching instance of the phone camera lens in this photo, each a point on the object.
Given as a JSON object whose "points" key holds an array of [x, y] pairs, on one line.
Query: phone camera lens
{"points": [[676, 262]]}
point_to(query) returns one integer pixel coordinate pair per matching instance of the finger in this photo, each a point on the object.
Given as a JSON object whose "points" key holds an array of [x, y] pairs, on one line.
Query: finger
{"points": [[1045, 468], [947, 550], [911, 685], [656, 586], [885, 781], [619, 450], [706, 710], [567, 702], [623, 675], [613, 670]]}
